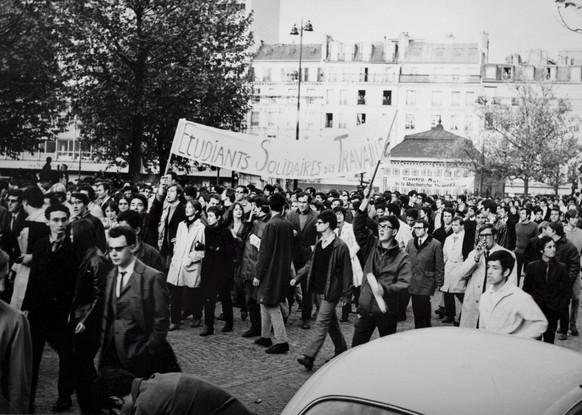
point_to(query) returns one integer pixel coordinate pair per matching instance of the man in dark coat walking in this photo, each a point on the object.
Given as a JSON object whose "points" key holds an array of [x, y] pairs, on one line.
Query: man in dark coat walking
{"points": [[273, 276]]}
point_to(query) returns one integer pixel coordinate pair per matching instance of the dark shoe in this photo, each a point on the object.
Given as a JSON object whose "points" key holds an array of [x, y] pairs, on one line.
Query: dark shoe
{"points": [[448, 320], [305, 325], [456, 323], [196, 323], [440, 312], [563, 336], [306, 361], [343, 319], [220, 317], [173, 327], [574, 331], [401, 317], [261, 341], [251, 333], [207, 331], [62, 404], [278, 348], [244, 316], [227, 328]]}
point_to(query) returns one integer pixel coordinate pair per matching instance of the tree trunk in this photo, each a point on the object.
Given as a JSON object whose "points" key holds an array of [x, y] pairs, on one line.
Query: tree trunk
{"points": [[135, 147], [525, 186]]}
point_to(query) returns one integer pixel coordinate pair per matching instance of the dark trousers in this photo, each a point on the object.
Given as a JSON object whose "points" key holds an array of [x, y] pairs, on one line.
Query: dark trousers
{"points": [[519, 261], [552, 316], [367, 323], [212, 292], [85, 346], [238, 291], [450, 306], [252, 307], [404, 299], [421, 310], [193, 298], [306, 302], [59, 336]]}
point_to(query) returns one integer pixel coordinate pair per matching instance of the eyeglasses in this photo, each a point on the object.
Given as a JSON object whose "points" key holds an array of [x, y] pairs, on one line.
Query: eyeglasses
{"points": [[485, 235], [117, 249], [416, 228], [384, 226]]}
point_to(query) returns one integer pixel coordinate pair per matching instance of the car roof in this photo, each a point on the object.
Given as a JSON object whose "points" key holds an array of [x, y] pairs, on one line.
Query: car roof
{"points": [[448, 370]]}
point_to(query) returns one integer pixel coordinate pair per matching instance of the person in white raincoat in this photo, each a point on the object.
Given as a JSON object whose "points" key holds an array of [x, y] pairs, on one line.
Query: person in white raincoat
{"points": [[184, 273], [345, 232], [454, 255]]}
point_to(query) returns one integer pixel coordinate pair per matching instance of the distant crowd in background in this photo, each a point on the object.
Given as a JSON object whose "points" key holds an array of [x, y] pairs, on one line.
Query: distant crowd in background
{"points": [[114, 266]]}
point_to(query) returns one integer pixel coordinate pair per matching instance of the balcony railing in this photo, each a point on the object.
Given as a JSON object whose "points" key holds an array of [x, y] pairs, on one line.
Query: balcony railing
{"points": [[461, 79]]}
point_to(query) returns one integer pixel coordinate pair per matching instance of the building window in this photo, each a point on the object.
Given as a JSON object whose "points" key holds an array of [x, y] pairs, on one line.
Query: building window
{"points": [[409, 122], [448, 173], [364, 74], [469, 98], [361, 118], [255, 115], [455, 99], [305, 74], [271, 119], [329, 120], [267, 75], [438, 172], [514, 101], [414, 172], [434, 120], [395, 172], [361, 97], [426, 172], [410, 98], [406, 172], [387, 98], [437, 99], [342, 123], [343, 97], [468, 123]]}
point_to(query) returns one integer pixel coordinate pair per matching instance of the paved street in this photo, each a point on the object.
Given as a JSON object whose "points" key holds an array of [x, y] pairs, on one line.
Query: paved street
{"points": [[265, 383]]}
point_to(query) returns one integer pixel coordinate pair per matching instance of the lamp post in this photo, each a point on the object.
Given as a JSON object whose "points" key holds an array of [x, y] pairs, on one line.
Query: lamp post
{"points": [[294, 32]]}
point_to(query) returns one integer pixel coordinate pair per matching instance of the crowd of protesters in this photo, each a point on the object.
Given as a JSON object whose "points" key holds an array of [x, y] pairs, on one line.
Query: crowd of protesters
{"points": [[112, 266]]}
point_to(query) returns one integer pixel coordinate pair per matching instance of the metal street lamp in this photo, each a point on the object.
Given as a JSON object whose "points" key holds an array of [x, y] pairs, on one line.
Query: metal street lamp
{"points": [[294, 31]]}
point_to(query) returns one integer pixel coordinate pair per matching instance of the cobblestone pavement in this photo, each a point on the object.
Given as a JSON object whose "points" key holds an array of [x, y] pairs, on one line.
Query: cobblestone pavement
{"points": [[265, 383]]}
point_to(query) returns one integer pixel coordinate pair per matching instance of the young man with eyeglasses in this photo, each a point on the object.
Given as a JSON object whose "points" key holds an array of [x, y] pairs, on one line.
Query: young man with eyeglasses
{"points": [[136, 315], [329, 275], [387, 273], [425, 254], [474, 271]]}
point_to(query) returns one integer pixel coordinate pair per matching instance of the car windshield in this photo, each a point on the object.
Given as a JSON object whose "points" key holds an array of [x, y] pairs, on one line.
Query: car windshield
{"points": [[345, 407]]}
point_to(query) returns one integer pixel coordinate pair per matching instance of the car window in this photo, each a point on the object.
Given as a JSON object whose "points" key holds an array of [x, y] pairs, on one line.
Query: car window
{"points": [[576, 410], [344, 407]]}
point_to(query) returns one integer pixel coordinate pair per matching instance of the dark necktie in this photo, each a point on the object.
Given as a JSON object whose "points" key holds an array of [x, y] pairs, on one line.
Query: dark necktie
{"points": [[55, 246], [120, 283], [486, 255], [12, 221], [547, 271]]}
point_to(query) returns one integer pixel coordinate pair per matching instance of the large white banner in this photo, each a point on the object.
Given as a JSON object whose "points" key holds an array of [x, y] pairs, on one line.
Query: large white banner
{"points": [[356, 151]]}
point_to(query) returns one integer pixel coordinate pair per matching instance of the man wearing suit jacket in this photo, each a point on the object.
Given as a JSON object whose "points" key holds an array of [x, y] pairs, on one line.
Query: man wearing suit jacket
{"points": [[10, 231], [137, 312], [168, 211], [80, 203], [304, 232], [48, 301]]}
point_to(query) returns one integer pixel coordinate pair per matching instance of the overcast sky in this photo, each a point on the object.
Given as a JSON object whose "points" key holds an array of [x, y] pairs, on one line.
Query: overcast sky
{"points": [[514, 26]]}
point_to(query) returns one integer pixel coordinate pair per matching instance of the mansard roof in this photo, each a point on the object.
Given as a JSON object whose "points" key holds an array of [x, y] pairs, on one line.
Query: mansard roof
{"points": [[288, 52]]}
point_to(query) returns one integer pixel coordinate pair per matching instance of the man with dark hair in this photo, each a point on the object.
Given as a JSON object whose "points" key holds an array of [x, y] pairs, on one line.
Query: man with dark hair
{"points": [[474, 271], [11, 231], [136, 315], [93, 208], [268, 190], [387, 273], [241, 194], [80, 202], [163, 394], [425, 254], [48, 301], [329, 274], [445, 230], [144, 252], [555, 214], [567, 254], [262, 213], [504, 307], [538, 215], [510, 222], [525, 230], [273, 276], [490, 210], [103, 193], [304, 234]]}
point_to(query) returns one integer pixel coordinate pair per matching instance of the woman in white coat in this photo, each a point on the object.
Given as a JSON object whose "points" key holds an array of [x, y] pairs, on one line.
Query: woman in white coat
{"points": [[184, 273], [453, 286], [345, 232]]}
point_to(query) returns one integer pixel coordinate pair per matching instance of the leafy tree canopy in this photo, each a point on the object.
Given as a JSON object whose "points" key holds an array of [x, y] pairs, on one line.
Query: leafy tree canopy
{"points": [[32, 106], [137, 66]]}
